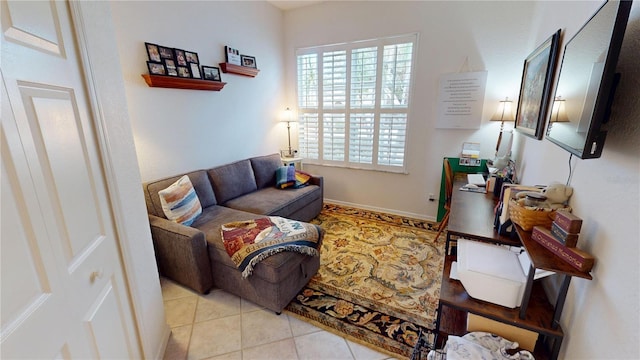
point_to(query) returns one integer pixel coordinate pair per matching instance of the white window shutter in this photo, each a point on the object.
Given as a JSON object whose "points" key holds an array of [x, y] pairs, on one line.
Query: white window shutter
{"points": [[353, 101]]}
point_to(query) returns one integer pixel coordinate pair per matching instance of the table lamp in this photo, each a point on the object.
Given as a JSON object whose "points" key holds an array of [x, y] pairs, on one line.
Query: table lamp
{"points": [[503, 113], [288, 118]]}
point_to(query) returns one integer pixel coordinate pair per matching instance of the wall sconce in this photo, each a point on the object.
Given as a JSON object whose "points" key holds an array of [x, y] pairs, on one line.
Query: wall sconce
{"points": [[503, 113], [288, 118]]}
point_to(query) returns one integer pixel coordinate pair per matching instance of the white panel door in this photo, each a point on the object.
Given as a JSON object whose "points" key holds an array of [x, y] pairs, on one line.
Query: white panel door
{"points": [[63, 293]]}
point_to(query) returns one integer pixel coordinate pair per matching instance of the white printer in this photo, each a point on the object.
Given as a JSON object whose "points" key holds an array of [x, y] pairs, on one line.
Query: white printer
{"points": [[491, 273]]}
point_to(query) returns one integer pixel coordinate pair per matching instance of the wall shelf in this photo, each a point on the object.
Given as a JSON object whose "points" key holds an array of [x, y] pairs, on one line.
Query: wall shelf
{"points": [[182, 83], [239, 70]]}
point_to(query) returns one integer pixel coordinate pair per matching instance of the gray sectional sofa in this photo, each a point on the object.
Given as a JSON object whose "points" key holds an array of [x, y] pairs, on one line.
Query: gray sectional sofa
{"points": [[194, 256]]}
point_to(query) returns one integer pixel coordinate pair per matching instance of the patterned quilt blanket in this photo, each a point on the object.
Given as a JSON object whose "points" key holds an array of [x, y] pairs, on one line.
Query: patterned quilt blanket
{"points": [[249, 242]]}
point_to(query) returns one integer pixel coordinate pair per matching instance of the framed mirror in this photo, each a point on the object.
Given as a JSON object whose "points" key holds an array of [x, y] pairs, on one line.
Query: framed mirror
{"points": [[587, 82]]}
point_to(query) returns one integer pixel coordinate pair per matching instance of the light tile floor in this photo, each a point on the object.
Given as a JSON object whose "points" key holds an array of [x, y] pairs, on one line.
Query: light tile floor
{"points": [[223, 326]]}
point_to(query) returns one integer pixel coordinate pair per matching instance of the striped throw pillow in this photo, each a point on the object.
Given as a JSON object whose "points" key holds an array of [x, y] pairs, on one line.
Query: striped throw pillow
{"points": [[180, 202]]}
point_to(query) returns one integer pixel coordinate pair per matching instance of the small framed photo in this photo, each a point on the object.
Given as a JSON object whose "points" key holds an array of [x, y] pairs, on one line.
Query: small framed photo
{"points": [[211, 73], [170, 66], [156, 68], [248, 61], [183, 71], [181, 58], [232, 55], [153, 52], [165, 52], [195, 71], [191, 57]]}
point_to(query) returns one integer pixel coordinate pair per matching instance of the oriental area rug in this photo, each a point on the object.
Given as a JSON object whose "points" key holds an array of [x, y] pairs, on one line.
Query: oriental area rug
{"points": [[378, 282]]}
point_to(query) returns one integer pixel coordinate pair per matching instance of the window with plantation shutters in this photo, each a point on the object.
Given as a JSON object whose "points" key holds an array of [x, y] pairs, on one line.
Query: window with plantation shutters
{"points": [[353, 103]]}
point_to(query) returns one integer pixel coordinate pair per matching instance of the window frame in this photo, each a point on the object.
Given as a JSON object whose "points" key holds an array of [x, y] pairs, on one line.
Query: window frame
{"points": [[347, 110]]}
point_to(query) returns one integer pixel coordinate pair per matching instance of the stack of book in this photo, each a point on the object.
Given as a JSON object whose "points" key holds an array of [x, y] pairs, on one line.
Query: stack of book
{"points": [[562, 239]]}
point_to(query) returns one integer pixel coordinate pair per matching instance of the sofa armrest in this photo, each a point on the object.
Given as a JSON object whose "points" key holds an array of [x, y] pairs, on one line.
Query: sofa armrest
{"points": [[181, 254], [317, 180]]}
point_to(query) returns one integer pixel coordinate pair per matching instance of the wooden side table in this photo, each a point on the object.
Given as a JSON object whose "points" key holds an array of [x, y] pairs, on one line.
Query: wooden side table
{"points": [[292, 161]]}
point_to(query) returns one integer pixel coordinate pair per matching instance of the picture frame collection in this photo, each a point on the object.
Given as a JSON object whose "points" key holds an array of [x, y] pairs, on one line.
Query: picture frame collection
{"points": [[178, 63], [233, 56]]}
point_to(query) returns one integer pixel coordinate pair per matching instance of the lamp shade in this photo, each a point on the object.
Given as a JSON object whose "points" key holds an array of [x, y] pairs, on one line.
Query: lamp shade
{"points": [[504, 111], [288, 116], [558, 112]]}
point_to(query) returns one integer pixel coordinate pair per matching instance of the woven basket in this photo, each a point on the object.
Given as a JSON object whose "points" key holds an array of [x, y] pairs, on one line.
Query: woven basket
{"points": [[527, 218]]}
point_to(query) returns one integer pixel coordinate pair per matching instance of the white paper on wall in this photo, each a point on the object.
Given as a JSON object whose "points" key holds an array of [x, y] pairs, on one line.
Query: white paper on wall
{"points": [[461, 99]]}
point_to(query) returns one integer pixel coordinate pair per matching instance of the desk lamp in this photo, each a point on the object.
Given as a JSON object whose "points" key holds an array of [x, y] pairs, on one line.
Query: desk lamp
{"points": [[503, 113], [288, 118]]}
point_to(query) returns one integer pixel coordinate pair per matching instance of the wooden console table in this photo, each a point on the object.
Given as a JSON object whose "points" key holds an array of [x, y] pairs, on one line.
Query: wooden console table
{"points": [[537, 319], [471, 217]]}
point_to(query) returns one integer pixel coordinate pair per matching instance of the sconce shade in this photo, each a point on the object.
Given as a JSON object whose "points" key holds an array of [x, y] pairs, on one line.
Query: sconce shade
{"points": [[504, 111], [558, 112]]}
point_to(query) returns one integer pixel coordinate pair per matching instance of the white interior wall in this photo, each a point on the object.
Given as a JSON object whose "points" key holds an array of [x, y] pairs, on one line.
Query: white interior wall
{"points": [[492, 35], [606, 197], [497, 37], [182, 130]]}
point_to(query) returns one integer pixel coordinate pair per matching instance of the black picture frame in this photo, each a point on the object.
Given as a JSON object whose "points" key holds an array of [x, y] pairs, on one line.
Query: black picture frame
{"points": [[535, 88], [248, 61], [165, 52], [194, 69], [183, 72], [153, 52], [170, 67], [232, 56], [156, 68], [191, 57], [211, 73], [180, 57]]}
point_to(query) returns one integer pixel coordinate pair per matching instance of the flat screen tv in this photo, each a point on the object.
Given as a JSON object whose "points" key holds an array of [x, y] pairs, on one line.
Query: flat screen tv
{"points": [[587, 82]]}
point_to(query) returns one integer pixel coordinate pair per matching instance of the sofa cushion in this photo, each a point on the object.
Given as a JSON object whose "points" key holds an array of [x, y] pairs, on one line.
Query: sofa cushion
{"points": [[232, 180], [264, 168], [276, 202], [199, 180], [180, 202]]}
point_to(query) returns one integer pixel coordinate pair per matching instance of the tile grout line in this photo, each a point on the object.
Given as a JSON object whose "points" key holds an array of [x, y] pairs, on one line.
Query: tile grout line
{"points": [[193, 323], [293, 337]]}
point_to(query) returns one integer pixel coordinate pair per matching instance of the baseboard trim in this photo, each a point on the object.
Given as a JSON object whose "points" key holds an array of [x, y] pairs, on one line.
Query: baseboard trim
{"points": [[166, 334], [384, 210]]}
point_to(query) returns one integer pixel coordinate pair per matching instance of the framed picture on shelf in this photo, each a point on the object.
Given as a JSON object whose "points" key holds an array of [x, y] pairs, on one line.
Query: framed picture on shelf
{"points": [[153, 52], [535, 89], [232, 56], [170, 66], [248, 61], [181, 58], [156, 68], [183, 71], [195, 70], [191, 57], [211, 73], [165, 52]]}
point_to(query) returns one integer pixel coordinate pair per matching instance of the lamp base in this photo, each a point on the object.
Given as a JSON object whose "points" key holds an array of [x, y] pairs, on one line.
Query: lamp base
{"points": [[288, 153]]}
